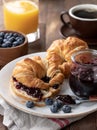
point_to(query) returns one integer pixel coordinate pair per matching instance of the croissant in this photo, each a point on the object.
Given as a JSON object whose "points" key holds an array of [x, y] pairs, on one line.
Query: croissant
{"points": [[29, 72], [59, 53], [28, 80], [72, 45]]}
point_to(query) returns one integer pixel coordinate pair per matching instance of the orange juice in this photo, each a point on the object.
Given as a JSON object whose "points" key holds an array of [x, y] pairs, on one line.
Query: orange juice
{"points": [[21, 15]]}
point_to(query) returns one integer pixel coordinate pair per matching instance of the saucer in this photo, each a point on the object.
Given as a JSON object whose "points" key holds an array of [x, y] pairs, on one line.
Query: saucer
{"points": [[67, 30]]}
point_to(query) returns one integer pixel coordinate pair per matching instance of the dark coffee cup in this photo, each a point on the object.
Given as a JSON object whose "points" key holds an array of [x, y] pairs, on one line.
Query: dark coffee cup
{"points": [[83, 19]]}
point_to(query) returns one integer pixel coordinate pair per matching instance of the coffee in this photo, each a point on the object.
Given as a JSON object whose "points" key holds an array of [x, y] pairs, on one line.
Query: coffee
{"points": [[82, 19], [86, 13]]}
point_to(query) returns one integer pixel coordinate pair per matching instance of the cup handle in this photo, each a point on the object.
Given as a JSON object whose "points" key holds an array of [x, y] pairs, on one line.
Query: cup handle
{"points": [[62, 18]]}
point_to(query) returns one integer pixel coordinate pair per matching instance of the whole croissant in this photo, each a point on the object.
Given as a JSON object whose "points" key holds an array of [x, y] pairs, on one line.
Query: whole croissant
{"points": [[59, 55]]}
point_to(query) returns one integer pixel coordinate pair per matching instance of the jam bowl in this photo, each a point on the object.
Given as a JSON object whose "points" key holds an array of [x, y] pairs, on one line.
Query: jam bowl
{"points": [[12, 45], [83, 73]]}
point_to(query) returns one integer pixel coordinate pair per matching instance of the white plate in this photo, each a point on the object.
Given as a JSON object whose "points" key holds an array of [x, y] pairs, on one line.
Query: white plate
{"points": [[5, 75]]}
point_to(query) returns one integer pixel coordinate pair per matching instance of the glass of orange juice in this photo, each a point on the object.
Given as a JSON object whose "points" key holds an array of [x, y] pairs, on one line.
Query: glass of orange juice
{"points": [[21, 15]]}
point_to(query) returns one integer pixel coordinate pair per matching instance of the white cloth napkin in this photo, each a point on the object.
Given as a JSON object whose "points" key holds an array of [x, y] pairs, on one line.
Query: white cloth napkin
{"points": [[17, 120]]}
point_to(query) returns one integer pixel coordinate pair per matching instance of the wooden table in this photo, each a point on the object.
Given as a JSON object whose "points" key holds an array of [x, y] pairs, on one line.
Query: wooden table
{"points": [[49, 30]]}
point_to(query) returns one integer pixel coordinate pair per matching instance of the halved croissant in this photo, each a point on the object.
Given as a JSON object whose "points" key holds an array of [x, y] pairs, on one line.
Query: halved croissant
{"points": [[27, 80], [29, 73]]}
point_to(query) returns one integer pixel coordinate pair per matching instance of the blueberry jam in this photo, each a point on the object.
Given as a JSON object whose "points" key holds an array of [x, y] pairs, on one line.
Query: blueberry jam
{"points": [[83, 76], [34, 92], [10, 39], [66, 99], [46, 79], [55, 86]]}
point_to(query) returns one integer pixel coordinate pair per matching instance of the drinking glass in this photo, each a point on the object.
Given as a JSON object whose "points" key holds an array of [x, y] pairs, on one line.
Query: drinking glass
{"points": [[22, 16]]}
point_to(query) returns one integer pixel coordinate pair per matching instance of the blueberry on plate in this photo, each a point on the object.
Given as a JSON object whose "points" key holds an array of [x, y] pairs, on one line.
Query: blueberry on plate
{"points": [[54, 109], [66, 109], [48, 101], [58, 103], [29, 104]]}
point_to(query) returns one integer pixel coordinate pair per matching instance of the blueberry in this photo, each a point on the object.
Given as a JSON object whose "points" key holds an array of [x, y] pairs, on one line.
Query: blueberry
{"points": [[22, 37], [5, 40], [1, 40], [55, 86], [9, 44], [11, 39], [15, 43], [20, 40], [6, 34], [46, 79], [16, 38], [10, 34], [2, 34], [48, 101], [4, 45], [7, 37], [66, 109], [15, 34], [29, 104], [58, 103], [54, 109]]}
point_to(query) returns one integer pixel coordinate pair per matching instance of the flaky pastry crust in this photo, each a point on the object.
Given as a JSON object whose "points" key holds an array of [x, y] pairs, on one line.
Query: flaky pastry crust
{"points": [[59, 55]]}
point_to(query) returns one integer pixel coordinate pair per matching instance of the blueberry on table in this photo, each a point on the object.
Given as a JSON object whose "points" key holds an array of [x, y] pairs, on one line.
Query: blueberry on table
{"points": [[48, 101], [66, 109], [29, 104]]}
